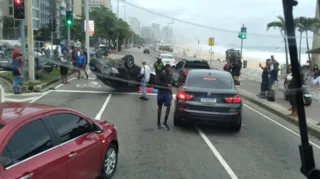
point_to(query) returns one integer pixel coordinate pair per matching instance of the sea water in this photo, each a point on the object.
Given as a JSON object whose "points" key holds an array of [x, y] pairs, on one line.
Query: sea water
{"points": [[253, 52]]}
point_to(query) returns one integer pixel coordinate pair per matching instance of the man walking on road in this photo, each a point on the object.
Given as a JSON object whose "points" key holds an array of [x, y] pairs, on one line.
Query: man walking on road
{"points": [[17, 72], [145, 73], [164, 97]]}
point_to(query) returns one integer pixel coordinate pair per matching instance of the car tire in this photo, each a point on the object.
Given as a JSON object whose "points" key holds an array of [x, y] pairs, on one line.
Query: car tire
{"points": [[112, 150], [236, 127], [176, 121]]}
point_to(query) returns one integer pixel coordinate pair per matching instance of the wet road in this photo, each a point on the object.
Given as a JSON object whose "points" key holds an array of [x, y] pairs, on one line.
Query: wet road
{"points": [[265, 148]]}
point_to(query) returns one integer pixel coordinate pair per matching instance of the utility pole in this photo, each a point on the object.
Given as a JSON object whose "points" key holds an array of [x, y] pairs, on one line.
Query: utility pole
{"points": [[68, 28], [118, 2], [86, 9], [30, 41], [125, 13], [23, 39]]}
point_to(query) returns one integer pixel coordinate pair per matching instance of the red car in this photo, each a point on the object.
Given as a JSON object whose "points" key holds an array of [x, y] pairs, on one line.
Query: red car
{"points": [[47, 142]]}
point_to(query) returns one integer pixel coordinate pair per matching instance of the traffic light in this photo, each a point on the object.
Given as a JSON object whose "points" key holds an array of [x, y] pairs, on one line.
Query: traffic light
{"points": [[18, 9], [243, 33], [69, 18]]}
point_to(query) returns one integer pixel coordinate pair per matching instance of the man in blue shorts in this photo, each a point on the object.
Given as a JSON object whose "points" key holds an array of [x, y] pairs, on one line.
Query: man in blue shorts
{"points": [[164, 95]]}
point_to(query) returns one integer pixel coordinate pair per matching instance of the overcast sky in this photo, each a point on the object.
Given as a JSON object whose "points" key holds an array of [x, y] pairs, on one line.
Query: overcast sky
{"points": [[221, 14]]}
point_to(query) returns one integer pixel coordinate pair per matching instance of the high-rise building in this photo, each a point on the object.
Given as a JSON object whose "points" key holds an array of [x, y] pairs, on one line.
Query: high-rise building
{"points": [[98, 3], [146, 32], [155, 31], [167, 33], [47, 12], [135, 25]]}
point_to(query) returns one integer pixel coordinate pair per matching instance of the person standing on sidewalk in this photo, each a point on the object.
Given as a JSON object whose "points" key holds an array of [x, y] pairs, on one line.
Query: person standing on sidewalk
{"points": [[265, 79], [82, 62], [74, 58], [17, 73], [164, 97], [64, 60], [145, 74]]}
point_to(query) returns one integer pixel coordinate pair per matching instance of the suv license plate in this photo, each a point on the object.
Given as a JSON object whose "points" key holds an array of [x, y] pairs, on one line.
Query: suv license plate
{"points": [[208, 100]]}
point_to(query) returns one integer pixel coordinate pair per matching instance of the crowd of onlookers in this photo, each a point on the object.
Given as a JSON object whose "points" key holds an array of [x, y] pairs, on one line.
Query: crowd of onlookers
{"points": [[76, 59]]}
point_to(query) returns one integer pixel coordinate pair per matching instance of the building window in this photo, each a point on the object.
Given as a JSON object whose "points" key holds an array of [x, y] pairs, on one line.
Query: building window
{"points": [[10, 11]]}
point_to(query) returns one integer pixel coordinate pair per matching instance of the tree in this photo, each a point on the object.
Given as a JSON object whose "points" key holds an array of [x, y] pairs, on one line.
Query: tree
{"points": [[43, 34], [306, 24], [282, 27], [300, 29], [108, 26]]}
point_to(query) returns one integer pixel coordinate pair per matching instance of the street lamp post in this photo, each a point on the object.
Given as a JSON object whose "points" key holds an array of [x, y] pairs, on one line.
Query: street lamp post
{"points": [[86, 8], [30, 42]]}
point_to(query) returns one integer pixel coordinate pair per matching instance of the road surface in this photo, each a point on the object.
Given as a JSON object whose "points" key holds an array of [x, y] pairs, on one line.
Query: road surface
{"points": [[265, 148]]}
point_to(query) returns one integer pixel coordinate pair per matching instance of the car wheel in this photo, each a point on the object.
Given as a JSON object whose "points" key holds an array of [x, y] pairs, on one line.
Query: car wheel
{"points": [[236, 127], [129, 61], [110, 162], [176, 121]]}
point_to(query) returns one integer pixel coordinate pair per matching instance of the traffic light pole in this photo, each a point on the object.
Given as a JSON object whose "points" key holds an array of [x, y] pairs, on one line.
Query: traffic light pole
{"points": [[23, 39], [241, 49], [30, 42], [86, 7], [68, 28]]}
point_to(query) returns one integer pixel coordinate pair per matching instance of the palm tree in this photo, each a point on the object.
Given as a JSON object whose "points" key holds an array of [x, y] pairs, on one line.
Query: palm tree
{"points": [[299, 24], [282, 27], [306, 24]]}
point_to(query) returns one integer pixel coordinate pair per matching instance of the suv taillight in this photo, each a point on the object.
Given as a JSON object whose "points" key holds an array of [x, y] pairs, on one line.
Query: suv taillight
{"points": [[185, 72], [181, 95], [235, 99]]}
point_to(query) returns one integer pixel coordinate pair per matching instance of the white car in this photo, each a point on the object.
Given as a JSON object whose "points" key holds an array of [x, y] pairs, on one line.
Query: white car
{"points": [[168, 59]]}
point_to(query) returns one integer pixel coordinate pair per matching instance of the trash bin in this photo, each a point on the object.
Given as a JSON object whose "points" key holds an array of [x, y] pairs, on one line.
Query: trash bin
{"points": [[245, 62]]}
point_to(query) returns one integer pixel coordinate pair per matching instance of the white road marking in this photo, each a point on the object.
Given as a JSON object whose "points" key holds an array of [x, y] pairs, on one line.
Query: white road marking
{"points": [[19, 100], [98, 116], [23, 94], [58, 86], [286, 128], [215, 152], [42, 95]]}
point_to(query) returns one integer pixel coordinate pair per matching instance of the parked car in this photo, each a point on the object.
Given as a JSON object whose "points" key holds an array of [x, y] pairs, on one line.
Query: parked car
{"points": [[208, 97], [146, 51], [41, 141]]}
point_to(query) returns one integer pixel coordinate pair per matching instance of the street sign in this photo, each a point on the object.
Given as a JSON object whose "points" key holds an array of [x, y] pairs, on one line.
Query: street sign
{"points": [[211, 41], [91, 27]]}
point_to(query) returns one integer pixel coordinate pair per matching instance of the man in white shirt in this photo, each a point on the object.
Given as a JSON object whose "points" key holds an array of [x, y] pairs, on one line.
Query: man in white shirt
{"points": [[145, 73]]}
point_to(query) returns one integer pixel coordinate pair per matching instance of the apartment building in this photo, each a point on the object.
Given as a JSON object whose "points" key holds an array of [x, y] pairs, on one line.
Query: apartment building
{"points": [[156, 31], [135, 25], [98, 3], [146, 32]]}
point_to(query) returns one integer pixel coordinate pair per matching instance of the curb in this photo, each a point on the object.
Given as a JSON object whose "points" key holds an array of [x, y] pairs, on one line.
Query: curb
{"points": [[312, 128]]}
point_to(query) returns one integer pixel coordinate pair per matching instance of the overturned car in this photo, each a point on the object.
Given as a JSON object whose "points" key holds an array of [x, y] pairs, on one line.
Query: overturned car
{"points": [[120, 74]]}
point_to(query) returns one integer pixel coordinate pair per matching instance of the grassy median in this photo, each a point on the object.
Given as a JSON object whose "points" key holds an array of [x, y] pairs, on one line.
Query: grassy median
{"points": [[45, 77]]}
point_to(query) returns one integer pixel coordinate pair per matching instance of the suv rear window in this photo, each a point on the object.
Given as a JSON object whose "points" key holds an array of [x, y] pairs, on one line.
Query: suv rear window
{"points": [[209, 82], [197, 65]]}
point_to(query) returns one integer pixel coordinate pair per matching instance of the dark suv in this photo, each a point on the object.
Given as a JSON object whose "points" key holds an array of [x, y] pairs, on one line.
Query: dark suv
{"points": [[181, 70]]}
